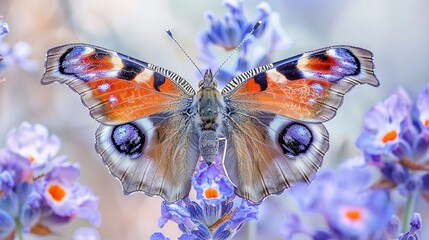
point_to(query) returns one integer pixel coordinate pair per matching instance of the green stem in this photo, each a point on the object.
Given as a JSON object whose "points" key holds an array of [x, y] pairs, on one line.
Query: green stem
{"points": [[408, 211], [251, 230], [19, 230]]}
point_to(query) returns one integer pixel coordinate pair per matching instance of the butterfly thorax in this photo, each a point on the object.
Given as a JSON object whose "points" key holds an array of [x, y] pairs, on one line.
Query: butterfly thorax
{"points": [[209, 104]]}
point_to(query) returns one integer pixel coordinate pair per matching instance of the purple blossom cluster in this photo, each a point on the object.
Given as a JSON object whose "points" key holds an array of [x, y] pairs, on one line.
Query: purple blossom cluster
{"points": [[218, 213], [228, 33], [395, 139], [342, 198], [4, 28], [17, 54], [356, 202], [38, 189]]}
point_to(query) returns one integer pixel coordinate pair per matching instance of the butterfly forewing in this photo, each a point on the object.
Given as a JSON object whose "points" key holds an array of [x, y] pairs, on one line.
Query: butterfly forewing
{"points": [[308, 87], [116, 88]]}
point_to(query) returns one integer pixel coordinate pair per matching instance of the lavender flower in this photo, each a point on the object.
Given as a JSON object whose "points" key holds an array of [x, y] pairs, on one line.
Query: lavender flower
{"points": [[395, 138], [4, 28], [211, 184], [415, 225], [382, 125], [86, 234], [34, 143], [17, 54], [218, 215], [342, 199], [33, 202], [228, 34]]}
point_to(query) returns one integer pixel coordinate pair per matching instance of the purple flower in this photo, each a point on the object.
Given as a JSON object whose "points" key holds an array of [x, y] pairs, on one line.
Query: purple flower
{"points": [[34, 143], [20, 206], [228, 34], [383, 124], [396, 140], [363, 215], [211, 184], [176, 212], [86, 234], [422, 105], [65, 197], [7, 224], [341, 197], [392, 228], [4, 28], [158, 236], [37, 201], [18, 54], [216, 215], [14, 169], [415, 225]]}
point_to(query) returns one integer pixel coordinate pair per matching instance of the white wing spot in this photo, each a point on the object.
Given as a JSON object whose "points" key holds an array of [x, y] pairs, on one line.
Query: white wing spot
{"points": [[113, 100], [104, 87], [318, 87]]}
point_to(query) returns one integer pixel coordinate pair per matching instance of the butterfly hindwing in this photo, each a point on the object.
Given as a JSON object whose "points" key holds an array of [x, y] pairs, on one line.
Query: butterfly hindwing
{"points": [[116, 88], [151, 154], [309, 87], [267, 153]]}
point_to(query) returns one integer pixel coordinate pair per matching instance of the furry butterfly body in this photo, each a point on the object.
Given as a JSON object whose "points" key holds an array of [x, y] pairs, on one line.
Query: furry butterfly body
{"points": [[155, 126]]}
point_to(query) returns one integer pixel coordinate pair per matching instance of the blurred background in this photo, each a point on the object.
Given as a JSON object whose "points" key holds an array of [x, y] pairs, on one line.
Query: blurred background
{"points": [[396, 32]]}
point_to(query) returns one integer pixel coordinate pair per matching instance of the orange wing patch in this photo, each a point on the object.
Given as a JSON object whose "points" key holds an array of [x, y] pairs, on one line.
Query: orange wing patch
{"points": [[298, 99], [116, 101]]}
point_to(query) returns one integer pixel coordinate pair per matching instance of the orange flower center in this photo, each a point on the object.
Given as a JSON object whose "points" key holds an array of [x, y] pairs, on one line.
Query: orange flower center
{"points": [[426, 122], [389, 136], [32, 159], [57, 192], [353, 215], [211, 193]]}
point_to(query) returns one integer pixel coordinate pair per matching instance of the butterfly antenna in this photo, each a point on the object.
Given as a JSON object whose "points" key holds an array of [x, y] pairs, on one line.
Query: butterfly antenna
{"points": [[183, 50], [239, 45]]}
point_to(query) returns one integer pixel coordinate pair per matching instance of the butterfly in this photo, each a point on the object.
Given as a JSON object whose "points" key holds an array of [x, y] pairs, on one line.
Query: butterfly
{"points": [[155, 126]]}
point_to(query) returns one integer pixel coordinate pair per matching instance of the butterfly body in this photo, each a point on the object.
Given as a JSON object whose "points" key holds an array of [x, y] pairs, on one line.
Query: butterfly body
{"points": [[155, 126]]}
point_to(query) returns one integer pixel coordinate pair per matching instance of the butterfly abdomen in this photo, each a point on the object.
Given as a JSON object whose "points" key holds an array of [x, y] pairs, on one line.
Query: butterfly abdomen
{"points": [[209, 106]]}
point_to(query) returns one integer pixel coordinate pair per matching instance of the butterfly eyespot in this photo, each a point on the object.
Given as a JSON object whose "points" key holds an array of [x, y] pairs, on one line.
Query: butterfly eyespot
{"points": [[128, 139], [295, 139]]}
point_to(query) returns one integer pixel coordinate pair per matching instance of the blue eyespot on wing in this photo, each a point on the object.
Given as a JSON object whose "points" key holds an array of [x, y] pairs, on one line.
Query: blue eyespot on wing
{"points": [[268, 153], [152, 155]]}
